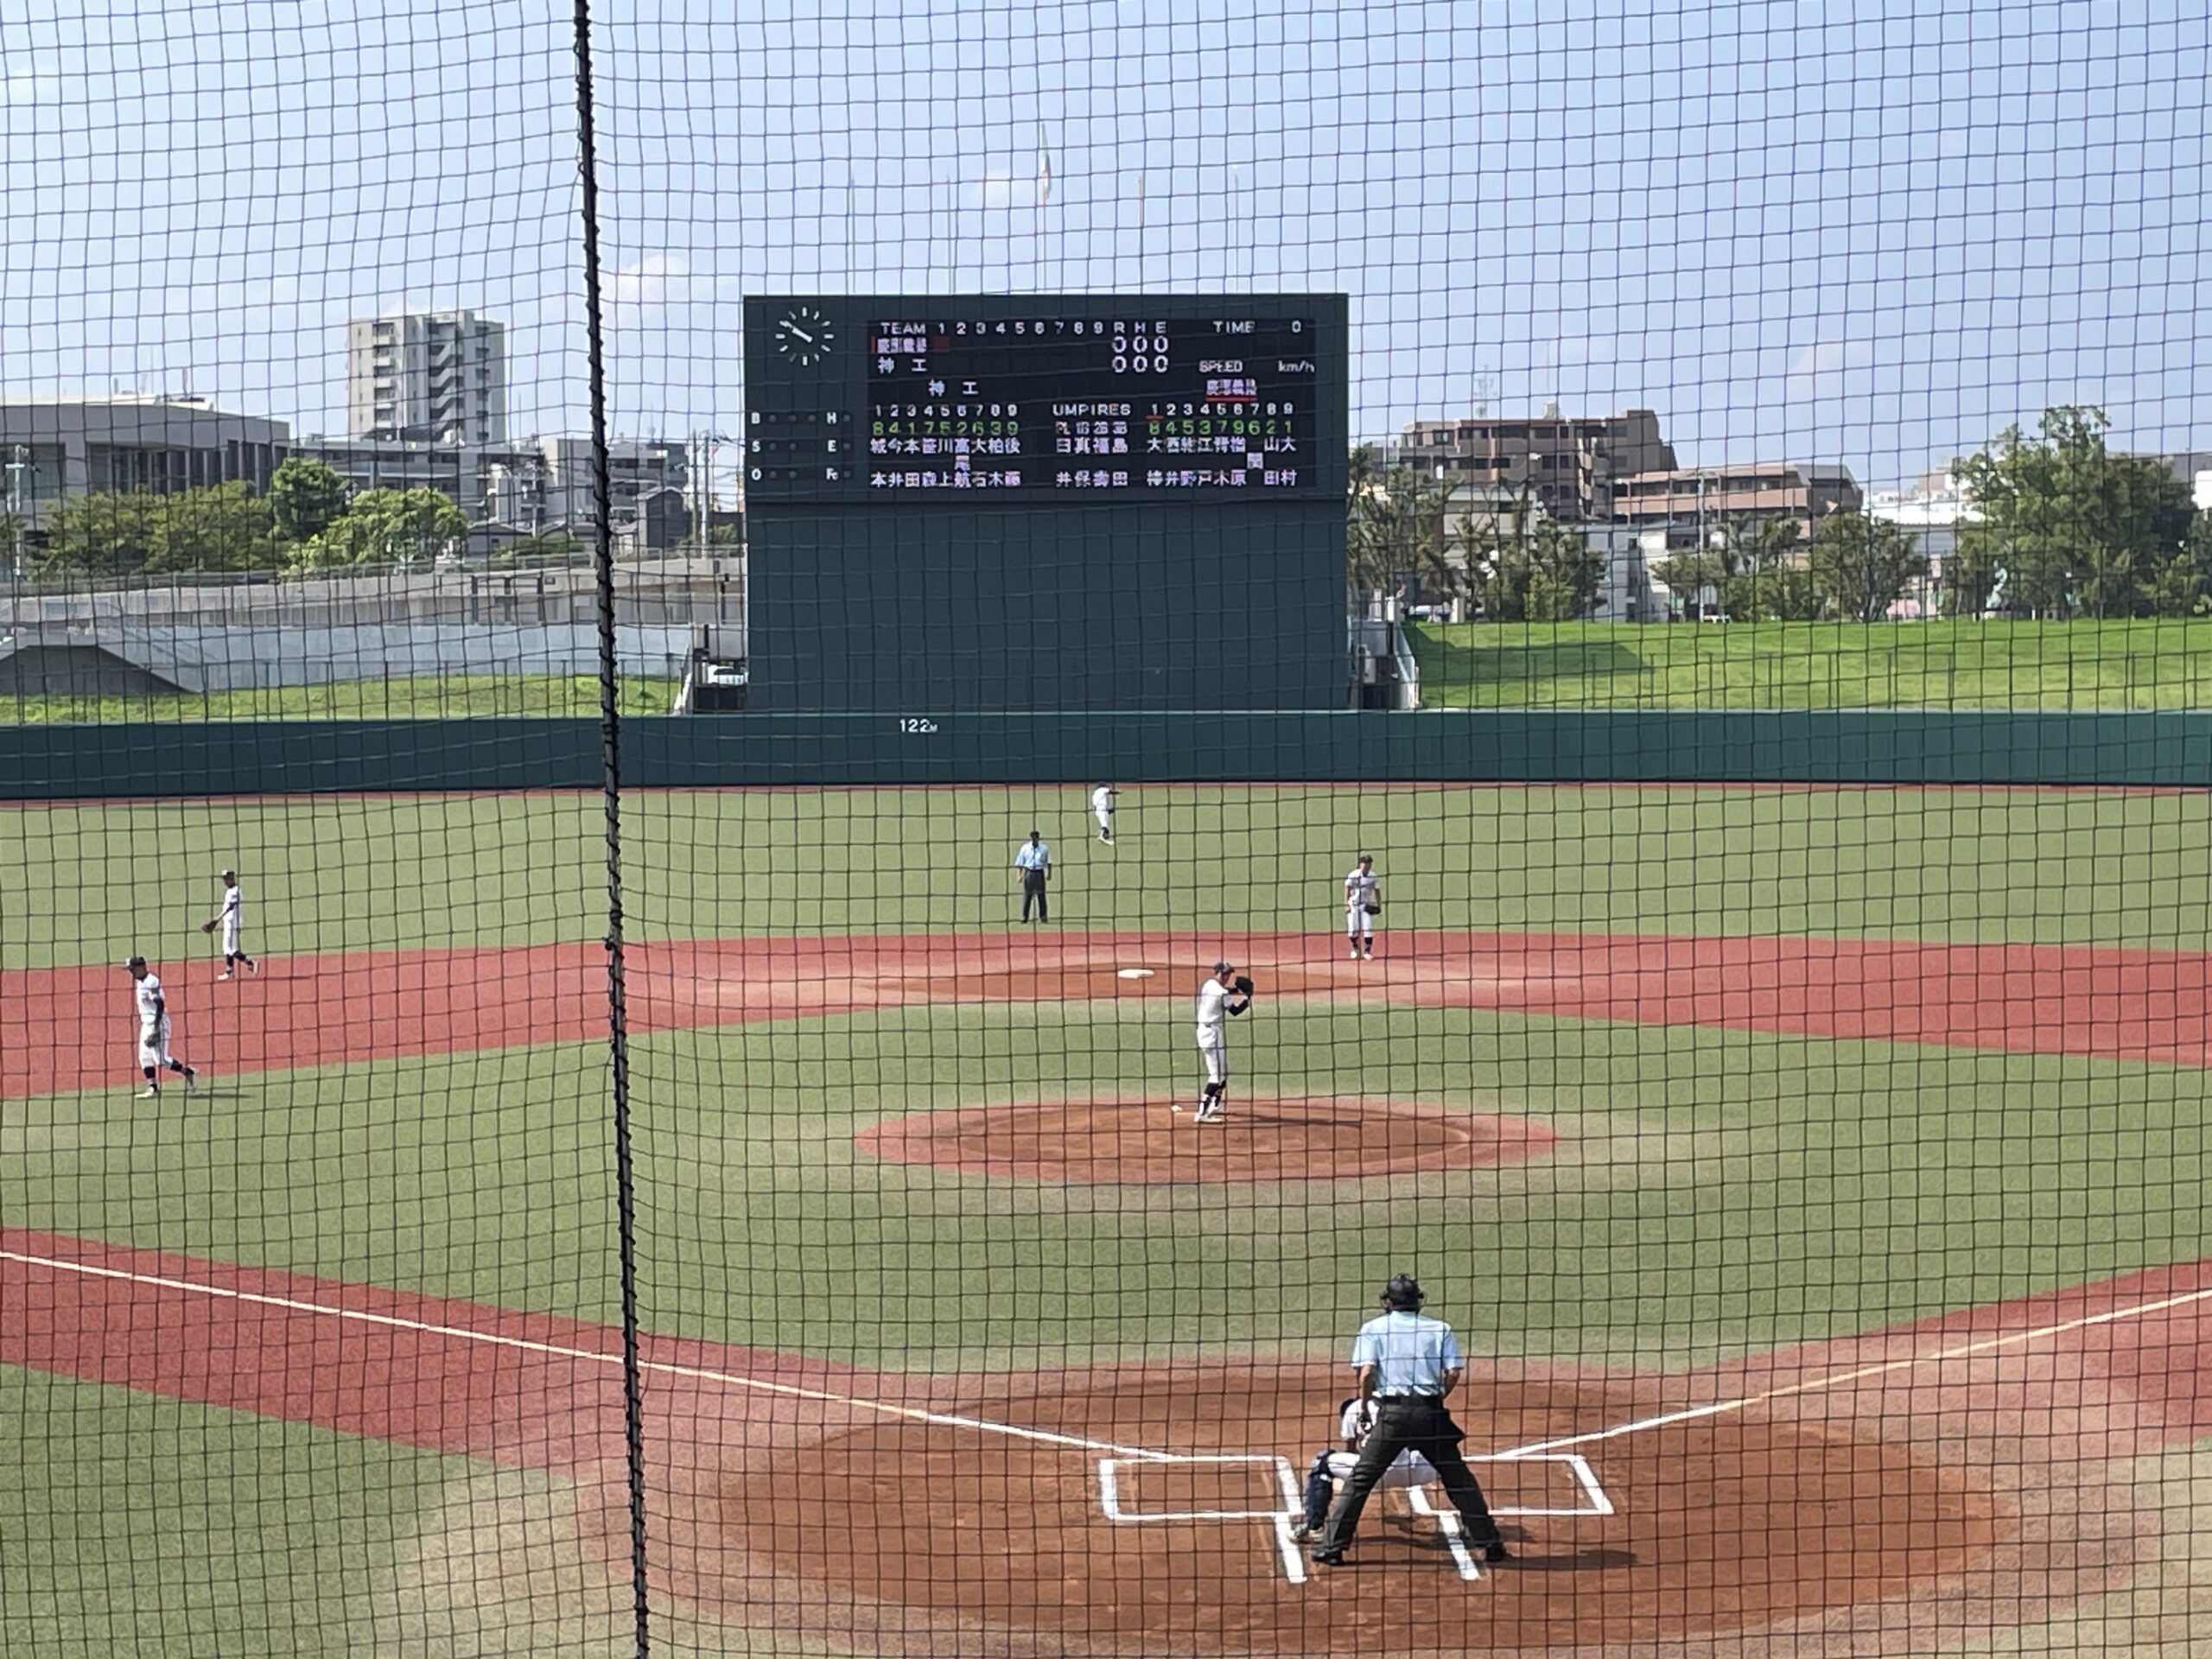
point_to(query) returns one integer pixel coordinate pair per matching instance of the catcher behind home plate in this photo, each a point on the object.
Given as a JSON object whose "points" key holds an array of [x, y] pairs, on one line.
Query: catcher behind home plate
{"points": [[1353, 1419]]}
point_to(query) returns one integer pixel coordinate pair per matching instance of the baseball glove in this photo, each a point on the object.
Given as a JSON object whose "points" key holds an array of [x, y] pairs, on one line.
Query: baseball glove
{"points": [[207, 927], [1244, 986], [1375, 909]]}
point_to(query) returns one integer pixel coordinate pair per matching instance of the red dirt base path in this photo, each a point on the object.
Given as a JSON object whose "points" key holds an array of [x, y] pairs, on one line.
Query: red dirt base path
{"points": [[1891, 1494], [1135, 1142], [68, 1028]]}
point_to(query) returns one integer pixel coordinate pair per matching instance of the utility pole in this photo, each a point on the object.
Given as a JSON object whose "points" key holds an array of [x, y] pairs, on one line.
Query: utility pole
{"points": [[19, 462]]}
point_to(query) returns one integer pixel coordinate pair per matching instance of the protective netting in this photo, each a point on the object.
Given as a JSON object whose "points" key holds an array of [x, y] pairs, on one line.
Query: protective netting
{"points": [[786, 789]]}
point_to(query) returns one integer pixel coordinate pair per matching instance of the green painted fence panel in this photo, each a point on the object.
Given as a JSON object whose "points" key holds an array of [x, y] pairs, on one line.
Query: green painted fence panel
{"points": [[1486, 746]]}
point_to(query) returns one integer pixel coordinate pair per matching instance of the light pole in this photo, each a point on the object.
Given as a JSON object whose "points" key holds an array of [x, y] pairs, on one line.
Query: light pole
{"points": [[19, 462], [703, 488]]}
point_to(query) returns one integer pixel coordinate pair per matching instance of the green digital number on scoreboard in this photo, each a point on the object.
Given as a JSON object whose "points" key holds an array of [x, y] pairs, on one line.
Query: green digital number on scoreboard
{"points": [[1174, 397]]}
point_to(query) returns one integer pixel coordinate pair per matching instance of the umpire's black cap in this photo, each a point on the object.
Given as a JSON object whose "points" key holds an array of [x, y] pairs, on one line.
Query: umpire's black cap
{"points": [[1404, 1293]]}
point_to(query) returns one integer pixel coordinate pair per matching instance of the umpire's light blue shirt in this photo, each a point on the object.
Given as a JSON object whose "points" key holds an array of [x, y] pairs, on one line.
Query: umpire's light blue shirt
{"points": [[1033, 855], [1410, 1352]]}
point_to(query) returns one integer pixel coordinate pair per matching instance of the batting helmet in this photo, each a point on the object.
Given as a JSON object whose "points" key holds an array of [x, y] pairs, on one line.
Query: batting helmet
{"points": [[1403, 1293]]}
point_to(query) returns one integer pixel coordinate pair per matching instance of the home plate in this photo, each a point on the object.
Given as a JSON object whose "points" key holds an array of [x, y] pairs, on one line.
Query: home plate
{"points": [[1133, 973]]}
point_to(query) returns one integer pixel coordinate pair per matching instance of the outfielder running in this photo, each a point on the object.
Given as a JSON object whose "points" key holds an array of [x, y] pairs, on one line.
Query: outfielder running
{"points": [[1222, 997], [231, 916], [1102, 808], [153, 1011]]}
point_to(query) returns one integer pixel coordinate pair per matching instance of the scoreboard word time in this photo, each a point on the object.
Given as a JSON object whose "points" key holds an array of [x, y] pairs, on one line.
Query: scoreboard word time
{"points": [[1021, 398]]}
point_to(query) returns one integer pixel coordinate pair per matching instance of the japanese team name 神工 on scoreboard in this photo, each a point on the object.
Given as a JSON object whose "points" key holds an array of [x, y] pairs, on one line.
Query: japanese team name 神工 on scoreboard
{"points": [[1048, 404]]}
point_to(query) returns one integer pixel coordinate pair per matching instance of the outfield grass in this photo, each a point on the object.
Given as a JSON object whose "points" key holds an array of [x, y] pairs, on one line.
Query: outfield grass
{"points": [[459, 696], [1714, 1193], [2084, 665], [404, 872], [134, 1525]]}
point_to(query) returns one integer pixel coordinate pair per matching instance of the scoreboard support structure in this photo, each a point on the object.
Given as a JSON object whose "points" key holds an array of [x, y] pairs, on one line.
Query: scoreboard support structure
{"points": [[1095, 502]]}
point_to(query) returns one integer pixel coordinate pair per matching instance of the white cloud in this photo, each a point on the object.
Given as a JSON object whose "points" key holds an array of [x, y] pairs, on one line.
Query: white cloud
{"points": [[1001, 190], [1826, 357], [27, 86], [657, 279]]}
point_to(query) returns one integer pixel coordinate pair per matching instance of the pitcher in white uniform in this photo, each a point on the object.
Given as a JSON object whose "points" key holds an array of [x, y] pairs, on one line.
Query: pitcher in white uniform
{"points": [[1220, 999], [1102, 808]]}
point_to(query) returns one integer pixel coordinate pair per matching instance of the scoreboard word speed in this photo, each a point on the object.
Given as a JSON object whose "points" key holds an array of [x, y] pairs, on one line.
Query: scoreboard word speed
{"points": [[971, 400]]}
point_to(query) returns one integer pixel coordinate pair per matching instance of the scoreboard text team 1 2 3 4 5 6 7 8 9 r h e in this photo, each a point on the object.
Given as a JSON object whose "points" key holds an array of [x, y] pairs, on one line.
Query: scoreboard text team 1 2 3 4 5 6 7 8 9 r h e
{"points": [[1017, 398]]}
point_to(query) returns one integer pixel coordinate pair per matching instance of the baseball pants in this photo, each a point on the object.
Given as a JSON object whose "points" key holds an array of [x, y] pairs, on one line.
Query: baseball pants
{"points": [[1422, 1426]]}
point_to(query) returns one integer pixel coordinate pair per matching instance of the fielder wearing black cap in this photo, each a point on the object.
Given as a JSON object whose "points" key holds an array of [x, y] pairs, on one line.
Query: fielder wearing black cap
{"points": [[1407, 1363]]}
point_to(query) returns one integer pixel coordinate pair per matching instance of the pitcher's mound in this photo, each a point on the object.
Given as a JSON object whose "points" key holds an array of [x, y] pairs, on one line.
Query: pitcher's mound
{"points": [[1127, 1142]]}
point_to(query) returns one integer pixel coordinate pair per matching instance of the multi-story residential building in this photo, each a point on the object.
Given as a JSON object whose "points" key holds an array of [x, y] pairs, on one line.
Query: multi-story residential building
{"points": [[1572, 467], [56, 447], [1691, 502], [1932, 509], [437, 377]]}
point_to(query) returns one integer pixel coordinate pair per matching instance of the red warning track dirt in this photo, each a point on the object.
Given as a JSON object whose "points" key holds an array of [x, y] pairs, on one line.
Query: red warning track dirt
{"points": [[70, 1028], [1883, 1495], [1129, 1143]]}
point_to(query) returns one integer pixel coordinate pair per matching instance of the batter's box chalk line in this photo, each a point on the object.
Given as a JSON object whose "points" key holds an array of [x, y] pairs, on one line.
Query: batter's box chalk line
{"points": [[1283, 1521]]}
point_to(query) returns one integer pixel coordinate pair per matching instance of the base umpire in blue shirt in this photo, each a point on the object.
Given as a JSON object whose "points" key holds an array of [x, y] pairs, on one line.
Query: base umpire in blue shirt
{"points": [[1407, 1364]]}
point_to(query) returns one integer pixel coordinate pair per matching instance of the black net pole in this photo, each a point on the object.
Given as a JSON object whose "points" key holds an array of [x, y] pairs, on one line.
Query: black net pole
{"points": [[610, 726]]}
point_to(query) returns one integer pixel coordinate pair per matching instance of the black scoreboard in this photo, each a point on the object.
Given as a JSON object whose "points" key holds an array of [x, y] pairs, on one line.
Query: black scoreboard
{"points": [[1173, 398], [1003, 503]]}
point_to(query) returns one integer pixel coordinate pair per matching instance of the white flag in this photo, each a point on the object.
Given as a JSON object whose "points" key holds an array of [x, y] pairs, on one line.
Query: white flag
{"points": [[1043, 175]]}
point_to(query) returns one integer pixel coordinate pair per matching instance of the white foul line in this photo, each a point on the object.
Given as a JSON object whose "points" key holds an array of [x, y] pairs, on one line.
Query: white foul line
{"points": [[1074, 1442], [558, 1350], [1963, 1350]]}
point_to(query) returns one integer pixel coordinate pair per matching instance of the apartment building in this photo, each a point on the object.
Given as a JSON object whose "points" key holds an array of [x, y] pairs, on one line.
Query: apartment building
{"points": [[435, 376], [1690, 502], [1572, 467]]}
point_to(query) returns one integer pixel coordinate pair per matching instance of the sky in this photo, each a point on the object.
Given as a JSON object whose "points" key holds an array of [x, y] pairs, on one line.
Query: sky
{"points": [[1875, 239]]}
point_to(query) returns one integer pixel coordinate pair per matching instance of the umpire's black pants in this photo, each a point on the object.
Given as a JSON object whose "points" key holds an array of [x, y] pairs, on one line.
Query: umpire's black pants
{"points": [[1033, 892], [1424, 1425]]}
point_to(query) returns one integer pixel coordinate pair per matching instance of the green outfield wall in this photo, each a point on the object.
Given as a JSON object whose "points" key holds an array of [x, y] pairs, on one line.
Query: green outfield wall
{"points": [[1816, 746]]}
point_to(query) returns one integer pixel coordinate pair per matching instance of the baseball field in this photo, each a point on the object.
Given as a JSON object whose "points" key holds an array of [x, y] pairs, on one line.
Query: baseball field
{"points": [[1813, 1178]]}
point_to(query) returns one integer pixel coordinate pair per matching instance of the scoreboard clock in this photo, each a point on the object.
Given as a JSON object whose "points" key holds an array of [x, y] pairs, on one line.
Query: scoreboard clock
{"points": [[978, 399]]}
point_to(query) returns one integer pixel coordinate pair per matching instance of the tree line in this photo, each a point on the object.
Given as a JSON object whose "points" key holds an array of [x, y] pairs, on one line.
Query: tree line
{"points": [[2066, 529], [308, 519]]}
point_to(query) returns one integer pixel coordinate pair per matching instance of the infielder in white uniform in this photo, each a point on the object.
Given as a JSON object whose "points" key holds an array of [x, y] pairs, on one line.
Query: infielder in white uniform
{"points": [[231, 916], [153, 1012], [1353, 1419], [1363, 903], [1225, 995], [1102, 808]]}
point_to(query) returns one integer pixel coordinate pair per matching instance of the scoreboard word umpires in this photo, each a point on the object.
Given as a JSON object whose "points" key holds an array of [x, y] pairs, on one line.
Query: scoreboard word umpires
{"points": [[982, 399]]}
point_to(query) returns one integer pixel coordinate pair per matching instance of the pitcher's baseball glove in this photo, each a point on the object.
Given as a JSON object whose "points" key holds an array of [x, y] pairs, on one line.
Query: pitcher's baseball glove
{"points": [[1244, 986]]}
